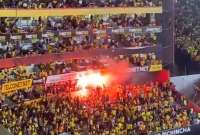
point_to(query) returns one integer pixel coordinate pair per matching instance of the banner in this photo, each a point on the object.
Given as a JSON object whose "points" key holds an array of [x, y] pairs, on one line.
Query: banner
{"points": [[29, 102], [135, 30], [155, 68], [190, 130], [60, 78], [17, 85], [108, 31], [139, 69], [16, 37], [117, 31], [30, 36], [2, 38], [72, 76], [153, 29], [81, 32], [150, 29], [39, 81], [99, 32], [50, 33], [65, 33]]}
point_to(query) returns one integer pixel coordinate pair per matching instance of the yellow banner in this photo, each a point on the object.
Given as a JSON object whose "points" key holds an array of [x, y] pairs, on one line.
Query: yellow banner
{"points": [[31, 102], [77, 11], [154, 68], [17, 85]]}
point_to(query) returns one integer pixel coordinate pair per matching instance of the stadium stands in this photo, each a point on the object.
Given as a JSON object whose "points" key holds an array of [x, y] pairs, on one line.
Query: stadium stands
{"points": [[53, 51], [33, 25], [134, 110], [23, 37], [187, 27], [41, 71], [76, 3]]}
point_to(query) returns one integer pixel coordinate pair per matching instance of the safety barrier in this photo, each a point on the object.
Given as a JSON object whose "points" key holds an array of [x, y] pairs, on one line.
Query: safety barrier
{"points": [[77, 11]]}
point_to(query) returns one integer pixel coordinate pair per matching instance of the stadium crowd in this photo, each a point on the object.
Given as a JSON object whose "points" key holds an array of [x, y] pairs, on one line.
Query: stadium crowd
{"points": [[23, 37], [34, 4], [30, 36], [118, 109], [188, 27], [58, 44], [115, 110], [41, 71], [34, 25]]}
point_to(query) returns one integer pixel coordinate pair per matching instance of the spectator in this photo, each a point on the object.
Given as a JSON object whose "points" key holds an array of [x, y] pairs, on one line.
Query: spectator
{"points": [[49, 36], [76, 3], [187, 27], [133, 110], [41, 71]]}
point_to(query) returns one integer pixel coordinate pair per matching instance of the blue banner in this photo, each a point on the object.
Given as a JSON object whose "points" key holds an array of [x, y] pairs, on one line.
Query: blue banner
{"points": [[190, 130]]}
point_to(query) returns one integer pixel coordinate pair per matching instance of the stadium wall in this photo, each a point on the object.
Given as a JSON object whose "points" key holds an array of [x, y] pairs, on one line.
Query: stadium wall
{"points": [[185, 84]]}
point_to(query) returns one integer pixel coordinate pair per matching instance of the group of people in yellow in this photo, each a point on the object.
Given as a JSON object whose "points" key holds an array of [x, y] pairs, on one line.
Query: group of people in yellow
{"points": [[118, 110], [72, 33], [41, 71], [187, 34]]}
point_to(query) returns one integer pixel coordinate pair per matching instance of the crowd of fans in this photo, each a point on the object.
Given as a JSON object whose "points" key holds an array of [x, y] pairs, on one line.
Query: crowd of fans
{"points": [[34, 4], [188, 27], [114, 110], [22, 96], [59, 44], [41, 71], [66, 34], [118, 109], [34, 25], [140, 60]]}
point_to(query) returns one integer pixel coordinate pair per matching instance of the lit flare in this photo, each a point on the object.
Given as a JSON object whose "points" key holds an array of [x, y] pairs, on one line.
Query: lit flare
{"points": [[90, 79]]}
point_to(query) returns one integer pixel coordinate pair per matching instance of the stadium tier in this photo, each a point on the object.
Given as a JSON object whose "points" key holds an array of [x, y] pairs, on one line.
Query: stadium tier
{"points": [[128, 109], [135, 62], [78, 3], [98, 67], [76, 23], [32, 37]]}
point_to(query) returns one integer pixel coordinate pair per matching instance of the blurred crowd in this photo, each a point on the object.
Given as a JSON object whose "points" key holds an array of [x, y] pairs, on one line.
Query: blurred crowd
{"points": [[59, 44], [41, 71], [66, 34], [34, 4], [188, 27], [114, 110], [24, 95], [140, 60], [32, 25]]}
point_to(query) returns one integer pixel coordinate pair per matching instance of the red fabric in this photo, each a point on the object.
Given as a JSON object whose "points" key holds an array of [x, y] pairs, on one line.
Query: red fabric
{"points": [[47, 58]]}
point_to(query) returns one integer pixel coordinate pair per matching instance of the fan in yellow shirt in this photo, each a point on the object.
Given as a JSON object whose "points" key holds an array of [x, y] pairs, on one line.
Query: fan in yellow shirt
{"points": [[20, 133]]}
